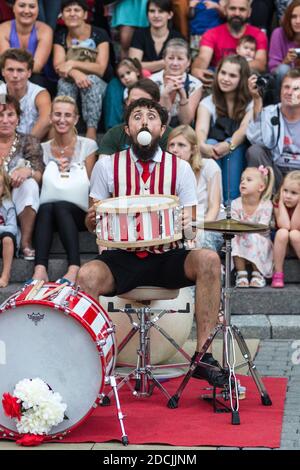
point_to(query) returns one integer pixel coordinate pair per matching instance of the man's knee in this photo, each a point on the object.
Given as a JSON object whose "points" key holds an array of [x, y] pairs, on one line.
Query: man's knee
{"points": [[95, 275], [206, 262]]}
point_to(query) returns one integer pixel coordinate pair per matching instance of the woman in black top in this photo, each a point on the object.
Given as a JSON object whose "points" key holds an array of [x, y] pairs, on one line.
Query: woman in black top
{"points": [[82, 75], [148, 43]]}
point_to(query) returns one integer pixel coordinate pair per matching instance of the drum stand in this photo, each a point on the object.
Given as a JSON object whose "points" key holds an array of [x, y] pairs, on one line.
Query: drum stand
{"points": [[111, 380], [229, 332], [145, 380]]}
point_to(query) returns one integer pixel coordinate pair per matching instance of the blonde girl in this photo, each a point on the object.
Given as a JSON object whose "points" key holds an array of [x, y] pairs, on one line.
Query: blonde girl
{"points": [[287, 216], [253, 206], [8, 228], [182, 142]]}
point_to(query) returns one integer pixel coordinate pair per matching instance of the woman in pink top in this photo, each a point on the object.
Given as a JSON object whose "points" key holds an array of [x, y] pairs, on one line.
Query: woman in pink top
{"points": [[284, 51]]}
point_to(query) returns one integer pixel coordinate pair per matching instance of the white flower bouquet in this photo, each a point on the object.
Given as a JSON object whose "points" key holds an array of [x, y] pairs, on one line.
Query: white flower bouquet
{"points": [[35, 407]]}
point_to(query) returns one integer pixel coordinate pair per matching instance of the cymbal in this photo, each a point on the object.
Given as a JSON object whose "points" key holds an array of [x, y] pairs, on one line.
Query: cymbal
{"points": [[234, 226]]}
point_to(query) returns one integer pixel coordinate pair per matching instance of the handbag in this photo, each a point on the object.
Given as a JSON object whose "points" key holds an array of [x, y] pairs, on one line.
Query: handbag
{"points": [[223, 128], [82, 54], [72, 186]]}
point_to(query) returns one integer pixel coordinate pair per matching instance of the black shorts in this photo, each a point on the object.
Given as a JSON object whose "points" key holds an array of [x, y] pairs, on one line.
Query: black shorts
{"points": [[8, 234], [160, 270]]}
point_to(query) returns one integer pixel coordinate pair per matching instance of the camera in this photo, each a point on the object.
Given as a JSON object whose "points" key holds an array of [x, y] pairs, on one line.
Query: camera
{"points": [[263, 82], [297, 50]]}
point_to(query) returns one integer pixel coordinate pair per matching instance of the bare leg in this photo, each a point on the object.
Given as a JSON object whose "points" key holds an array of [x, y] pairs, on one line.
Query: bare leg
{"points": [[27, 220], [95, 278], [126, 33], [8, 250], [203, 267], [280, 246], [239, 263], [295, 241], [40, 273], [72, 272]]}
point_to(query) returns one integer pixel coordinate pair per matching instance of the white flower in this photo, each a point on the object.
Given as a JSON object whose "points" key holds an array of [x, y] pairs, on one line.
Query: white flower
{"points": [[44, 408], [32, 392]]}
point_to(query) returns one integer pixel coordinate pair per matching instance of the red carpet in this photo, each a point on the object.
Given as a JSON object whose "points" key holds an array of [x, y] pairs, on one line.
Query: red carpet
{"points": [[193, 423]]}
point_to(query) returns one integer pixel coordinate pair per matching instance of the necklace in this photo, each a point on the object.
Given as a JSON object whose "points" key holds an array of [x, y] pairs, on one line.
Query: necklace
{"points": [[7, 159], [62, 150]]}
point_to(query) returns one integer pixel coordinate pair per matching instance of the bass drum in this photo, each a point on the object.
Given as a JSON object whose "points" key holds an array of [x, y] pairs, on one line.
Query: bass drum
{"points": [[66, 340], [177, 325]]}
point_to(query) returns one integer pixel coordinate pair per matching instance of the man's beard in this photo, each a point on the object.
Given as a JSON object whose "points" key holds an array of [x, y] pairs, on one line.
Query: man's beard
{"points": [[145, 152], [236, 23]]}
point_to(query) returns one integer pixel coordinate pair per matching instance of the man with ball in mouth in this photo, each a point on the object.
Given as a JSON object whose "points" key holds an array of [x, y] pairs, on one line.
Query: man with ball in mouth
{"points": [[145, 169]]}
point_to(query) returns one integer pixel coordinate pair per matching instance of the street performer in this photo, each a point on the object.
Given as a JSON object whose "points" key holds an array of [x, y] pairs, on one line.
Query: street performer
{"points": [[113, 272]]}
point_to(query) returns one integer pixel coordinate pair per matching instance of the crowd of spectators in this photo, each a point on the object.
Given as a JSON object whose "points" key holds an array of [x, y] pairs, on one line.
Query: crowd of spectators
{"points": [[228, 74]]}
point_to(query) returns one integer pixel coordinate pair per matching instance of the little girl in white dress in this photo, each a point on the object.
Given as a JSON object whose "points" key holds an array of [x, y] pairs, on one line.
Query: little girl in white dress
{"points": [[253, 206]]}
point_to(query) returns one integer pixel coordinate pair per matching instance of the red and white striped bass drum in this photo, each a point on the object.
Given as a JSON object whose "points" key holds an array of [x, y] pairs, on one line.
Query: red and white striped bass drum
{"points": [[66, 340], [138, 221]]}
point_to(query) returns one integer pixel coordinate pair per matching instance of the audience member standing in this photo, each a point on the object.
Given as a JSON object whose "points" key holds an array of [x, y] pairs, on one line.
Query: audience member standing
{"points": [[128, 15]]}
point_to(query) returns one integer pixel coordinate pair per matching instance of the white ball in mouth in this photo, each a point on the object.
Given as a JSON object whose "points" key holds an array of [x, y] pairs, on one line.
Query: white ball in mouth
{"points": [[144, 138]]}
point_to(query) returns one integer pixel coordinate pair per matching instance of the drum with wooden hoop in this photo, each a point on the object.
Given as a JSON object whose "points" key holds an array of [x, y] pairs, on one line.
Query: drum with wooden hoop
{"points": [[65, 338], [138, 221]]}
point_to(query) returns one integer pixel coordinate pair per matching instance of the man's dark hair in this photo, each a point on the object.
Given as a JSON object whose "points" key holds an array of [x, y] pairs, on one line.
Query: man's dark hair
{"points": [[150, 104], [81, 3], [19, 55], [164, 5], [147, 85]]}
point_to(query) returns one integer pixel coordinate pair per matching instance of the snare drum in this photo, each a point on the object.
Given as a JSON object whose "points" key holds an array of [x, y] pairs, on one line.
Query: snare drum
{"points": [[66, 340], [138, 221]]}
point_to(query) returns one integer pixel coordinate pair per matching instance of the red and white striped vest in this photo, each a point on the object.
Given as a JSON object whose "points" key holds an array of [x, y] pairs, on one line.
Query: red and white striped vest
{"points": [[128, 182]]}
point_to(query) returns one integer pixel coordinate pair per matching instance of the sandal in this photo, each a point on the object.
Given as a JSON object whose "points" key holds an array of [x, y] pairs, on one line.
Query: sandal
{"points": [[28, 254], [257, 280], [278, 280], [241, 279]]}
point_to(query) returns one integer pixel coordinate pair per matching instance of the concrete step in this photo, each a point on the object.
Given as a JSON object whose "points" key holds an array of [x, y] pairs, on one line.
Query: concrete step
{"points": [[292, 270], [267, 301], [87, 243], [22, 270]]}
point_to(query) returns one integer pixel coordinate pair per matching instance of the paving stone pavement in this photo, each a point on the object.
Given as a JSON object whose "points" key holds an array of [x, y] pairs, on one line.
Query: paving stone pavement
{"points": [[281, 358]]}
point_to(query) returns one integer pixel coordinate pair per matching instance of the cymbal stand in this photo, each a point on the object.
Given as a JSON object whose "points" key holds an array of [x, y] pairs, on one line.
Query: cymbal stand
{"points": [[229, 334]]}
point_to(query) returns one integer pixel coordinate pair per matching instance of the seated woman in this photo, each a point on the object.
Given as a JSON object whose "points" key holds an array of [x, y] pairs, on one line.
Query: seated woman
{"points": [[222, 120], [25, 32], [147, 44], [182, 142], [21, 158], [69, 161], [180, 91], [284, 43], [81, 57]]}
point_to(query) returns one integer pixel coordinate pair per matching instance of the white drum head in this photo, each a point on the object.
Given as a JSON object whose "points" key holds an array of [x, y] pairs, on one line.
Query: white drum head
{"points": [[137, 202], [39, 341]]}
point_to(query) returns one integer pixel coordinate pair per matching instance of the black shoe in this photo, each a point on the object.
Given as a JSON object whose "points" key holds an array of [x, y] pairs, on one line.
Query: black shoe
{"points": [[214, 373]]}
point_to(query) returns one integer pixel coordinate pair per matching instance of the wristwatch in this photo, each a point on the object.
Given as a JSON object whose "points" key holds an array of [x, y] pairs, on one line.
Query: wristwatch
{"points": [[232, 147]]}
